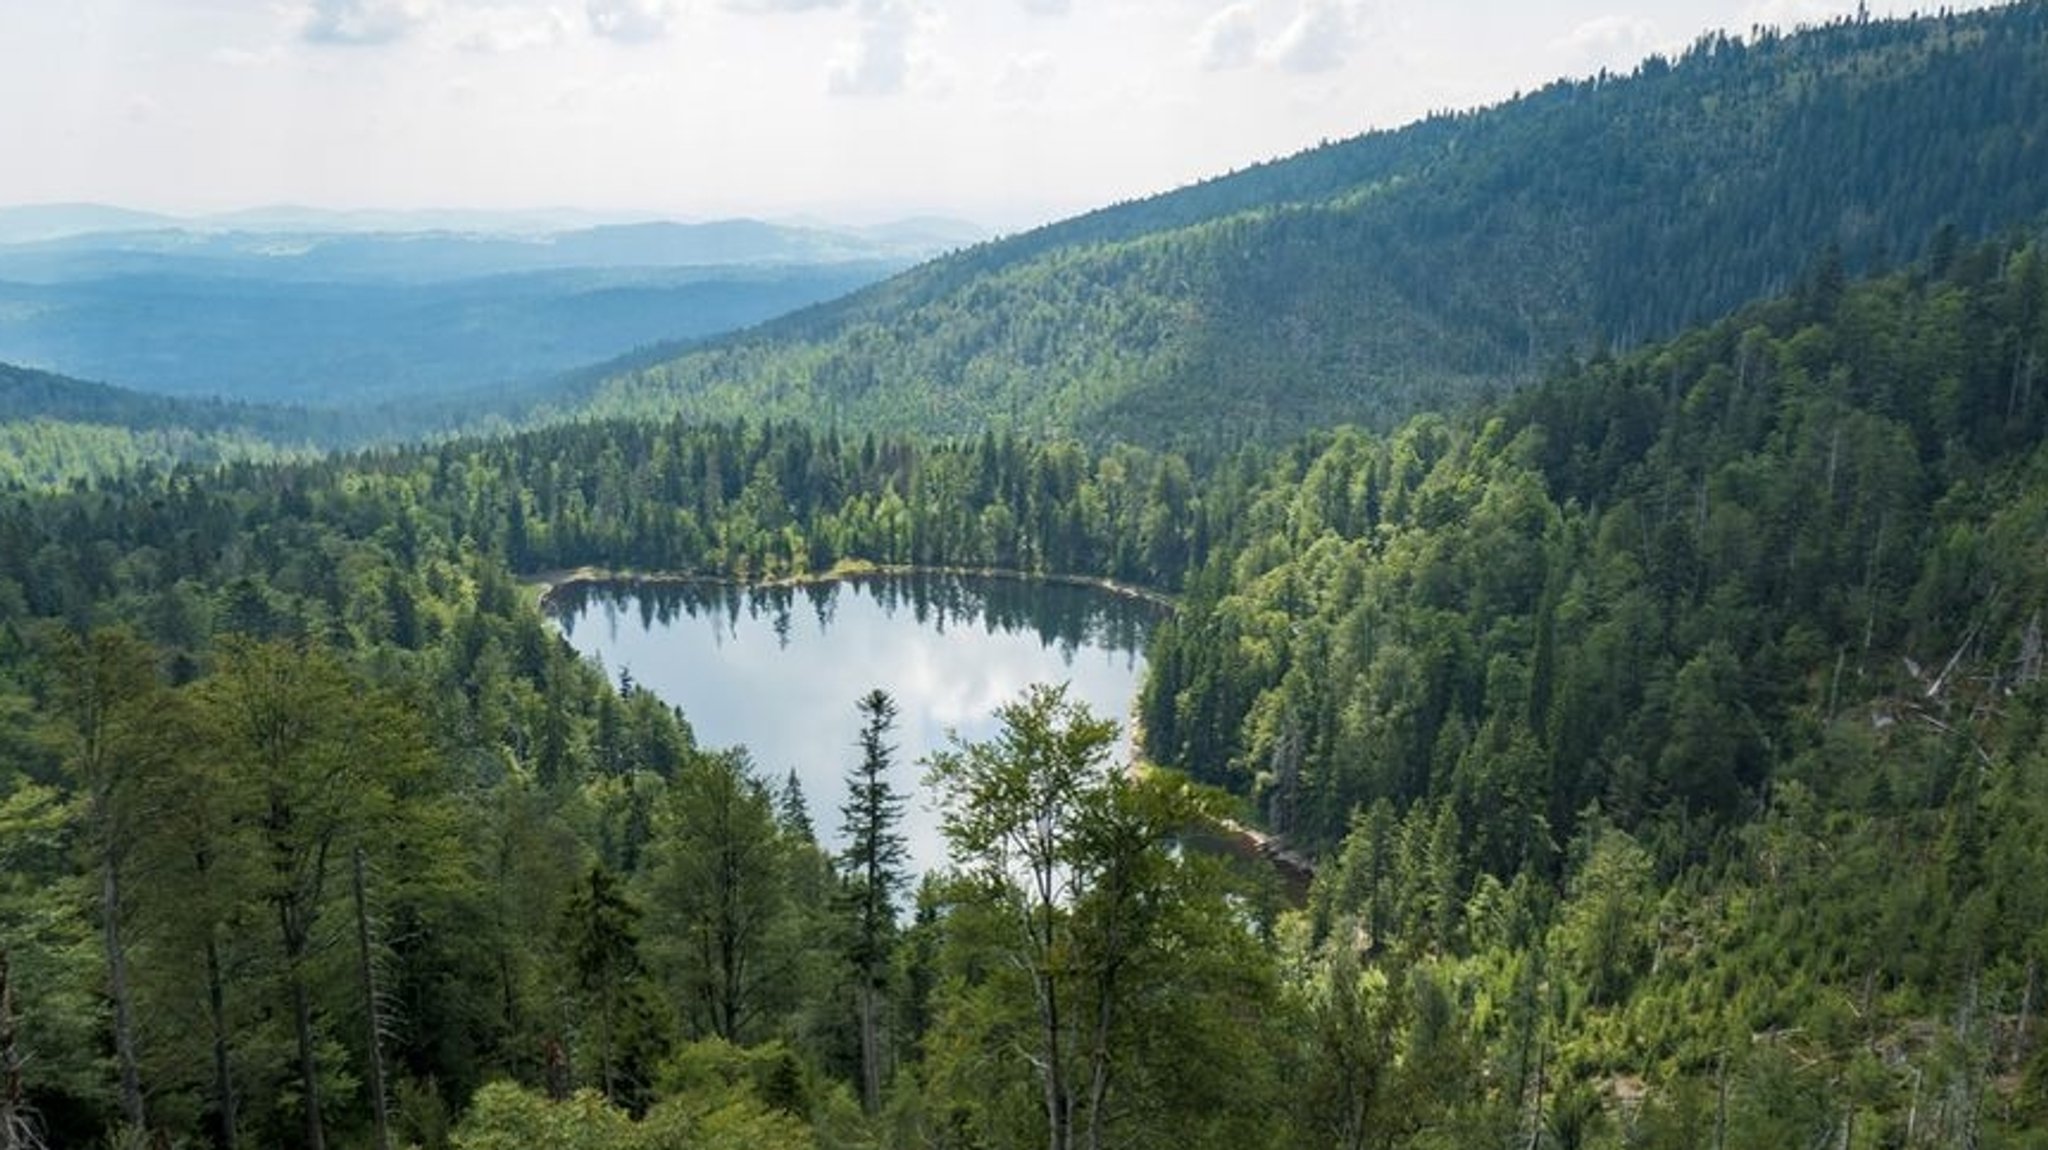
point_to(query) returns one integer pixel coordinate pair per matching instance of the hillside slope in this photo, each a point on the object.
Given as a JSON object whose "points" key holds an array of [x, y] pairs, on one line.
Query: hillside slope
{"points": [[54, 429], [1398, 270]]}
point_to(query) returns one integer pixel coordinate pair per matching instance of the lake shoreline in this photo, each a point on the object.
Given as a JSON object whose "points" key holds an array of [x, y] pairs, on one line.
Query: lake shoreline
{"points": [[1253, 841], [548, 584], [776, 671]]}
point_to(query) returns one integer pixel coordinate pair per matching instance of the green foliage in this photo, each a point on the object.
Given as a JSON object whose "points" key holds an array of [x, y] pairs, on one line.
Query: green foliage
{"points": [[55, 430], [1117, 968], [1670, 736], [1373, 278], [505, 1117], [873, 874], [1606, 926], [719, 889], [1650, 583]]}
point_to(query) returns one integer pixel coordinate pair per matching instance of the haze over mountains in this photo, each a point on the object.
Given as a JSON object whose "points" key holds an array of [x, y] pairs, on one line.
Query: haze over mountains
{"points": [[1360, 281], [327, 309]]}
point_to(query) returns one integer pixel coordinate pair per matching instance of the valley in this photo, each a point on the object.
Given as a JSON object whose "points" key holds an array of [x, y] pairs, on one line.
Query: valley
{"points": [[1606, 534]]}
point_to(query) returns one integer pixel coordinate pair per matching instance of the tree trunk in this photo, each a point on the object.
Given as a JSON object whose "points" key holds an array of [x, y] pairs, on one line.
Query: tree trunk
{"points": [[1098, 1077], [1105, 1014], [2022, 1044], [373, 1019], [117, 989], [14, 1129], [217, 1017], [302, 1023], [1058, 1111], [309, 1066], [870, 1045], [1721, 1102], [604, 1043], [1913, 1109]]}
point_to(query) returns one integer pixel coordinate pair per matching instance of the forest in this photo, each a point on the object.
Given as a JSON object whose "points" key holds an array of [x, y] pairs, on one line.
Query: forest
{"points": [[1613, 551], [1405, 271], [1670, 735]]}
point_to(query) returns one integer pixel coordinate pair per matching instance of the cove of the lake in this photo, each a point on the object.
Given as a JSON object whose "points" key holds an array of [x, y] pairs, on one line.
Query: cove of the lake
{"points": [[777, 669]]}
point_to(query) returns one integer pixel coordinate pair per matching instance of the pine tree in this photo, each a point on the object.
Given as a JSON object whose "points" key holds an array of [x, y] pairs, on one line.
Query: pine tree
{"points": [[873, 866]]}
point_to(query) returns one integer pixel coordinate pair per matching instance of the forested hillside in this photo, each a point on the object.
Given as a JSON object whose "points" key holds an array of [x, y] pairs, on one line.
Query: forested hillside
{"points": [[1671, 734], [1685, 713], [1377, 277], [54, 430]]}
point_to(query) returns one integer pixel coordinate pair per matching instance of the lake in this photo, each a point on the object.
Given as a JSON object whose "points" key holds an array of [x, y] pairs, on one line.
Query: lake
{"points": [[777, 669]]}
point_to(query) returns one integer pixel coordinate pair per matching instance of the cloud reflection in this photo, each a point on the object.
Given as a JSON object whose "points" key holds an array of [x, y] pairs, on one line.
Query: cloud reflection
{"points": [[778, 671]]}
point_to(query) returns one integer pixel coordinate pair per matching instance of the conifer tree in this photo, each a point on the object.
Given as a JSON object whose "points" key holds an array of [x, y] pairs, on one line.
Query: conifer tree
{"points": [[874, 874]]}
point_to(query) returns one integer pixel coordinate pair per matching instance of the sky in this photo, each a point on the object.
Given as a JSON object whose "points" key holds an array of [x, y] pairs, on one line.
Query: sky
{"points": [[1002, 112]]}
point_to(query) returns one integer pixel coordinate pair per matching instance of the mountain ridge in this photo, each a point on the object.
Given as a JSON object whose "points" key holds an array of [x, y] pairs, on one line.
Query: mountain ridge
{"points": [[1407, 268]]}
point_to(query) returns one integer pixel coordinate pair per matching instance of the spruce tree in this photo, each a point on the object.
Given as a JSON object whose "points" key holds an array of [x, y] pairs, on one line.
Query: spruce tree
{"points": [[873, 868]]}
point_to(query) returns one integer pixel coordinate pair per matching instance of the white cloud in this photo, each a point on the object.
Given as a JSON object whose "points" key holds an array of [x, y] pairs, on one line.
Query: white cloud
{"points": [[781, 5], [629, 21], [1047, 7], [498, 29], [879, 62], [1228, 39], [230, 57], [1788, 14], [1611, 36], [1317, 39], [362, 21], [1024, 79]]}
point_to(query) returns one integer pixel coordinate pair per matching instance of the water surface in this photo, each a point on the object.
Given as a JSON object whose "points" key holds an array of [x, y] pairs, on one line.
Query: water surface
{"points": [[777, 670]]}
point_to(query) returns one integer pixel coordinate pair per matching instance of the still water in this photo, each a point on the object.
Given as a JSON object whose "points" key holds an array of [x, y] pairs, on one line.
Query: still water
{"points": [[777, 669]]}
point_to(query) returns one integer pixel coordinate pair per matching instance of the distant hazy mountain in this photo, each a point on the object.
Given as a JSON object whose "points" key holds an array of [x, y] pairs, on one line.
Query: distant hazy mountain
{"points": [[261, 311], [427, 255], [35, 222], [1398, 270], [339, 342], [299, 218]]}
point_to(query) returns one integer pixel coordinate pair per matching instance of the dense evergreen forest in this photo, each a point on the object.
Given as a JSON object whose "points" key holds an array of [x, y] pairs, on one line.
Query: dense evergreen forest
{"points": [[54, 429], [1669, 730], [1374, 278], [1670, 734]]}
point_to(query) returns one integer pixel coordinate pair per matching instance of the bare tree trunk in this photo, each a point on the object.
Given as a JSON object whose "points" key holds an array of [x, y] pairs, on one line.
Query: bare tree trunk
{"points": [[15, 1133], [1105, 1016], [117, 989], [2022, 1039], [295, 947], [373, 1018], [217, 1017], [870, 1045], [309, 1066], [1058, 1113], [1913, 1109], [604, 1046], [1098, 1078], [1536, 1103], [1721, 1103]]}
